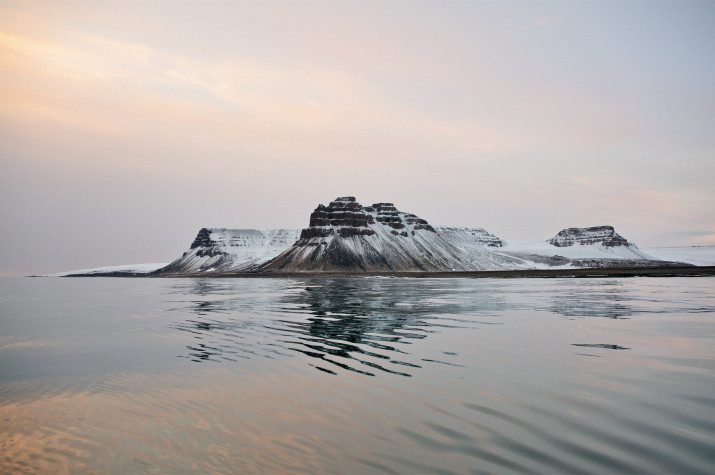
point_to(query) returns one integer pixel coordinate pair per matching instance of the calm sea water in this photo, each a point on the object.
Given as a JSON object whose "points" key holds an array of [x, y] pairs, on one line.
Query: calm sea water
{"points": [[357, 375]]}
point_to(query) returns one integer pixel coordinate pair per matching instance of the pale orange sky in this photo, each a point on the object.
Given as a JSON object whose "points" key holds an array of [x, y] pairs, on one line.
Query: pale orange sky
{"points": [[127, 126]]}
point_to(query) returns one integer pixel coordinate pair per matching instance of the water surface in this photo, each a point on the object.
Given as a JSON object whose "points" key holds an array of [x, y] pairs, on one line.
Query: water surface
{"points": [[373, 374]]}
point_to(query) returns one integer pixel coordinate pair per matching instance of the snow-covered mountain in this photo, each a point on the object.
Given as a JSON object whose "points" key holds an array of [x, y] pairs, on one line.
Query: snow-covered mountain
{"points": [[345, 236], [598, 246], [468, 238], [602, 235], [220, 250]]}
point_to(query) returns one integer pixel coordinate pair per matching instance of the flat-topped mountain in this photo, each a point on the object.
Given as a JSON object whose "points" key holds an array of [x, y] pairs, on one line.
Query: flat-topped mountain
{"points": [[220, 250], [603, 235], [345, 236]]}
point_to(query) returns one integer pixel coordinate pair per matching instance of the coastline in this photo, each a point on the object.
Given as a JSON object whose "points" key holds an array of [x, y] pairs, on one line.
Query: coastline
{"points": [[664, 271]]}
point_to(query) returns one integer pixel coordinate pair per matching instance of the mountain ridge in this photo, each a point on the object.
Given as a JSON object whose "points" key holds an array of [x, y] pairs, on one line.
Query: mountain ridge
{"points": [[345, 236]]}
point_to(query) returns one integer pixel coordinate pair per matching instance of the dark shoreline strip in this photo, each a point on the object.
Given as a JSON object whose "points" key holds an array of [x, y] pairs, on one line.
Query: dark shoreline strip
{"points": [[499, 274]]}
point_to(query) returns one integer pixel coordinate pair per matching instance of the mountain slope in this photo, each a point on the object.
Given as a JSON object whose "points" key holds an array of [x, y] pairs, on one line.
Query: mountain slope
{"points": [[217, 250], [345, 236]]}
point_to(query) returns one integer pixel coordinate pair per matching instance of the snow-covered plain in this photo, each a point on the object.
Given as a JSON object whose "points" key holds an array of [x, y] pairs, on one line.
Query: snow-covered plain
{"points": [[588, 251], [696, 255], [129, 268], [244, 249], [259, 247]]}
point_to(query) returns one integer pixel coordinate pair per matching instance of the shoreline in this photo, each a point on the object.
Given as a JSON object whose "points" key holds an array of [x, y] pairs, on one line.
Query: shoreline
{"points": [[595, 272]]}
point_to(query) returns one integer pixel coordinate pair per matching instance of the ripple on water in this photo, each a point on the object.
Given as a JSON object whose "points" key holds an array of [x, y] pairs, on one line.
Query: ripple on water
{"points": [[356, 375]]}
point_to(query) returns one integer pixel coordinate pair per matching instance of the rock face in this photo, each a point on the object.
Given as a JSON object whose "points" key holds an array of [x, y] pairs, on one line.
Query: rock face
{"points": [[603, 235], [344, 216], [217, 250], [347, 237]]}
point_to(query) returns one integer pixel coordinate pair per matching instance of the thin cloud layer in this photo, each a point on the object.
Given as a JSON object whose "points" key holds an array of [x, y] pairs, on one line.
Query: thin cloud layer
{"points": [[140, 123]]}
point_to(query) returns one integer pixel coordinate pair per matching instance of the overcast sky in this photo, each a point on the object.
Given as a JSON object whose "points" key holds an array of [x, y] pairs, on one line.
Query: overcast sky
{"points": [[126, 126]]}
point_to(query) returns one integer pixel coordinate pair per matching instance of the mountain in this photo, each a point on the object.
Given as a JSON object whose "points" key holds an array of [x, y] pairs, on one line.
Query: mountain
{"points": [[603, 235], [220, 250], [598, 246], [345, 236]]}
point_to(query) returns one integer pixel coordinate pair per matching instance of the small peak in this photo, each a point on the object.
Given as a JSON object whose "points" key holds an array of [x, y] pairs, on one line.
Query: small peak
{"points": [[603, 235], [345, 198], [203, 238]]}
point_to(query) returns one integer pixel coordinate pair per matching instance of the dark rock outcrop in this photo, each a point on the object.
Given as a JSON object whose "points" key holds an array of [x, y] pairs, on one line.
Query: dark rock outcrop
{"points": [[203, 239], [603, 235], [344, 216]]}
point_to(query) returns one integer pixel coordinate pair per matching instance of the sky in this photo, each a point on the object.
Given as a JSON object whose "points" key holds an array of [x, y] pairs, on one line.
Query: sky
{"points": [[126, 126]]}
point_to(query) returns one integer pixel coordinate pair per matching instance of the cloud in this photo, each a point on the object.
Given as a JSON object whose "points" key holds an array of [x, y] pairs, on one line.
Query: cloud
{"points": [[238, 101], [518, 118]]}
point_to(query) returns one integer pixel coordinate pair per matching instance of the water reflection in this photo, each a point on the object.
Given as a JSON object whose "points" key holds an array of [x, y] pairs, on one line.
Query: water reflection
{"points": [[606, 298], [90, 380], [605, 346], [357, 324], [367, 325]]}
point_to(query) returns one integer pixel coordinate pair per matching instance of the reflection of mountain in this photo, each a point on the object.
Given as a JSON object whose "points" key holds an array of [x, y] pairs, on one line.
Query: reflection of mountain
{"points": [[366, 324], [607, 299], [361, 325]]}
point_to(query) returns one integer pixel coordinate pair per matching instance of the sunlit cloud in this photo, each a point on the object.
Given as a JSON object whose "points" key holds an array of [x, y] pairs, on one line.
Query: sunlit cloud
{"points": [[307, 99]]}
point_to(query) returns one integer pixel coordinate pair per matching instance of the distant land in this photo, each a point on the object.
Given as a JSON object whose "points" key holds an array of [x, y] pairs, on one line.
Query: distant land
{"points": [[345, 237]]}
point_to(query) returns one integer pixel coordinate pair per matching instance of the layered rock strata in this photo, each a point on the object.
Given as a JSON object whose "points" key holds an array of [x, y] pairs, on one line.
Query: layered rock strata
{"points": [[346, 237], [603, 235]]}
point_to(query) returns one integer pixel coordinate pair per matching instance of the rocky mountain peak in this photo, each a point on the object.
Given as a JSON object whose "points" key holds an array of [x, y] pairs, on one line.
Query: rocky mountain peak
{"points": [[345, 217], [603, 235], [203, 239], [344, 235]]}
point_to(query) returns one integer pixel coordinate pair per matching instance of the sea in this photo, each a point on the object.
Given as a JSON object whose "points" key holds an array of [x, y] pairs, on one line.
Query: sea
{"points": [[357, 375]]}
